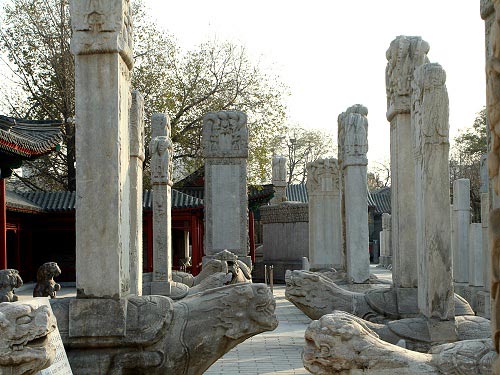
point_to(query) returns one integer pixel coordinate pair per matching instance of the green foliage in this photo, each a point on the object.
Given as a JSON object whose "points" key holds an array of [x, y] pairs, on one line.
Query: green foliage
{"points": [[35, 36]]}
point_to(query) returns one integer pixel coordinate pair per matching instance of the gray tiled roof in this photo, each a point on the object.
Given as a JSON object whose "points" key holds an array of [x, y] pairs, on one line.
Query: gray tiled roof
{"points": [[297, 193], [29, 139], [64, 201]]}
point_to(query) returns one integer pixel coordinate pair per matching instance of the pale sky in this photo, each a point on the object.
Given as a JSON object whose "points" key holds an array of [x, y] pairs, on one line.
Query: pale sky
{"points": [[331, 54]]}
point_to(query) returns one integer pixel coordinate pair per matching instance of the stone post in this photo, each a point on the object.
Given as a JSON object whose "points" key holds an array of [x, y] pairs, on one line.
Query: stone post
{"points": [[225, 149], [430, 126], [386, 240], [102, 45], [161, 149], [483, 302], [404, 55], [279, 179], [476, 255], [461, 222], [136, 160], [355, 146], [325, 221]]}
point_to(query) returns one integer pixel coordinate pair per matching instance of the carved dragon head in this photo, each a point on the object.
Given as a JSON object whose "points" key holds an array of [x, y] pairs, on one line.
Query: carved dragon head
{"points": [[10, 278], [248, 310], [310, 291], [24, 337], [334, 343]]}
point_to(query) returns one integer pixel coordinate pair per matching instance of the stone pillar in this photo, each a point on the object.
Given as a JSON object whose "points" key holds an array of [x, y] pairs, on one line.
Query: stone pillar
{"points": [[430, 126], [136, 161], [483, 300], [404, 55], [161, 151], [225, 149], [325, 221], [279, 179], [461, 222], [476, 255], [355, 146], [102, 45], [386, 241]]}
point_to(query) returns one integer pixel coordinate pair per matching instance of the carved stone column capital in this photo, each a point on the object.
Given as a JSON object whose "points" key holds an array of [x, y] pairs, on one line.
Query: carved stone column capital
{"points": [[225, 135]]}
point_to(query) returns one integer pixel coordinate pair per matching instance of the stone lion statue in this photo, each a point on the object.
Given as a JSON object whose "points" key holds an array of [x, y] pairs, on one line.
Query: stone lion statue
{"points": [[45, 284], [25, 347], [9, 279]]}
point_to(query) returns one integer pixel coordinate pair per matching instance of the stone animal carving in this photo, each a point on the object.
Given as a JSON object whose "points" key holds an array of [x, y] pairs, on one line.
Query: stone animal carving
{"points": [[317, 295], [339, 343], [210, 268], [25, 347], [9, 279], [45, 284], [167, 337]]}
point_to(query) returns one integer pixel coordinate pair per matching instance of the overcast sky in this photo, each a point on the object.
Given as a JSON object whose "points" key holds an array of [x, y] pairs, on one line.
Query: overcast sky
{"points": [[332, 53]]}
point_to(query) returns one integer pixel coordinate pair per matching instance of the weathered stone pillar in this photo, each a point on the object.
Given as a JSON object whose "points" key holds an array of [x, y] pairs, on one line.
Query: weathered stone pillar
{"points": [[225, 149], [461, 222], [102, 45], [136, 160], [432, 183], [404, 55], [279, 179], [354, 164], [476, 278], [325, 221], [161, 151], [386, 241]]}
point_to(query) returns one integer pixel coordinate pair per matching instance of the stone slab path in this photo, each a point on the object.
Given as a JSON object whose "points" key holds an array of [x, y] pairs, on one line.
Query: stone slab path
{"points": [[276, 352]]}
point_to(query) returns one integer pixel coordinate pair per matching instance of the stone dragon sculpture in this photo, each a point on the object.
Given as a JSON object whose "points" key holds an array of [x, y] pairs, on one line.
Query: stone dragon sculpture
{"points": [[25, 347], [339, 343], [184, 337]]}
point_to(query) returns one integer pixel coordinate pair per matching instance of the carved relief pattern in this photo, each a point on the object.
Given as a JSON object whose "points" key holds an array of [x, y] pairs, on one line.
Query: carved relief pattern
{"points": [[323, 176], [404, 54], [285, 213], [102, 26], [429, 106], [161, 151], [353, 134], [225, 134]]}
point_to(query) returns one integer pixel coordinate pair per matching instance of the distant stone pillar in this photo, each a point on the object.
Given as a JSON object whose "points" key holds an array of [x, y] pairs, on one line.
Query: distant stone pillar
{"points": [[279, 179], [161, 151], [476, 255], [404, 55], [136, 126], [430, 126], [102, 44], [325, 221], [483, 301], [354, 164], [225, 149], [386, 241], [461, 222]]}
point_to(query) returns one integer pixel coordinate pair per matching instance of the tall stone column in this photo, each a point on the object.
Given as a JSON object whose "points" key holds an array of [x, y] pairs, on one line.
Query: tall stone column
{"points": [[386, 241], [430, 125], [225, 149], [354, 164], [279, 179], [461, 222], [161, 151], [102, 45], [136, 161], [483, 301], [404, 55], [325, 221]]}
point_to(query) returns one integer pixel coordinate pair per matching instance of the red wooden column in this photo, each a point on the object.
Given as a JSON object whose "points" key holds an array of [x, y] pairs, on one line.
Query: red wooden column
{"points": [[3, 226]]}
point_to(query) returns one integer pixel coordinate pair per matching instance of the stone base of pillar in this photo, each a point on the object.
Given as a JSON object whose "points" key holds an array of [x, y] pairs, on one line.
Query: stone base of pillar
{"points": [[442, 331], [385, 261], [470, 295], [170, 289], [483, 304], [320, 267], [89, 317]]}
